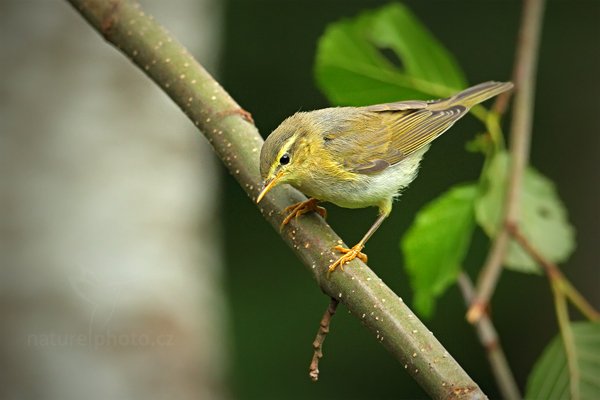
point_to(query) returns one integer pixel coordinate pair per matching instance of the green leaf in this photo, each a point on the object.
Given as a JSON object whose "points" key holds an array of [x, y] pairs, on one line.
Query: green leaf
{"points": [[351, 68], [550, 378], [543, 217], [437, 242]]}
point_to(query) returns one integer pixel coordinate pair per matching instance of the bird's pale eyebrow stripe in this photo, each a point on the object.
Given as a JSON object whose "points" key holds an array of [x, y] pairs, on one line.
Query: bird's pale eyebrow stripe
{"points": [[284, 149]]}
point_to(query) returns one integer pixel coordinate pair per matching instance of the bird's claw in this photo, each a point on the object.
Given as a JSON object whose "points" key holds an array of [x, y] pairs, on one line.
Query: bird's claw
{"points": [[347, 256], [298, 209]]}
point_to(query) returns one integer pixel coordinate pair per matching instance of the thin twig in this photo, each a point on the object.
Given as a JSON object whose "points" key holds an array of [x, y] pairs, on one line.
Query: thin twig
{"points": [[555, 275], [313, 369], [524, 76], [561, 287], [488, 277], [489, 340], [552, 271], [237, 143], [579, 301]]}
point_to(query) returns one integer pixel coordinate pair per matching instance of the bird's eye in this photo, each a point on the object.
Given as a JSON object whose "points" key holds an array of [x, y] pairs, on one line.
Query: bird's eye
{"points": [[285, 159]]}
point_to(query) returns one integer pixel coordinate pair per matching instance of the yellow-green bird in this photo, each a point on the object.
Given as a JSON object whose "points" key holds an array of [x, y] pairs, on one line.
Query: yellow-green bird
{"points": [[358, 157]]}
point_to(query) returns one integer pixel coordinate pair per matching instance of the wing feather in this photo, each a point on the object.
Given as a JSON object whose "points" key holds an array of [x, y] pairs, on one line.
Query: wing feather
{"points": [[397, 106], [376, 140], [370, 139]]}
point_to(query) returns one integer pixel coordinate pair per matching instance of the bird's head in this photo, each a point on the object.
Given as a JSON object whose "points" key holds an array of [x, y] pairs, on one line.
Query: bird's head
{"points": [[284, 155]]}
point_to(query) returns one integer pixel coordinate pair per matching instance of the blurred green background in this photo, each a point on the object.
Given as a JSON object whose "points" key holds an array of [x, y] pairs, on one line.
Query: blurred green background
{"points": [[267, 66]]}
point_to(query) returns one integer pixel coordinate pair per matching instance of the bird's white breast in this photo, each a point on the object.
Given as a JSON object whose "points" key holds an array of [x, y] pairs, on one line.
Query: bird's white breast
{"points": [[368, 190]]}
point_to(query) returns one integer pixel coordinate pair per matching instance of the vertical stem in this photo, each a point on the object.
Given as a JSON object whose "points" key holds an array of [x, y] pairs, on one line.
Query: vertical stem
{"points": [[522, 121], [524, 77]]}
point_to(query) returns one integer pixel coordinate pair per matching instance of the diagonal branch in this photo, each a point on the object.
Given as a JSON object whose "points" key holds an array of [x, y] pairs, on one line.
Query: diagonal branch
{"points": [[524, 76], [237, 142]]}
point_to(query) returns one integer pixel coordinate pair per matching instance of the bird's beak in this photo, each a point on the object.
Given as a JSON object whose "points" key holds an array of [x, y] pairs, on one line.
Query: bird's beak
{"points": [[268, 185]]}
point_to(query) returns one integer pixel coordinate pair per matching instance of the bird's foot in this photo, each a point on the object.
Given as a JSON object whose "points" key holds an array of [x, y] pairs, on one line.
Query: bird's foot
{"points": [[298, 209], [348, 255]]}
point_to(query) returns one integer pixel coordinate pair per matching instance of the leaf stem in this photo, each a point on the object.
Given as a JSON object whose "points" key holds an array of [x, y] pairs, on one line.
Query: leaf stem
{"points": [[492, 123]]}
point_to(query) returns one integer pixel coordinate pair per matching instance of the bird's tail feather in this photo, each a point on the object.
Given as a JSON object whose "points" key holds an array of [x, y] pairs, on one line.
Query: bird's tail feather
{"points": [[479, 93]]}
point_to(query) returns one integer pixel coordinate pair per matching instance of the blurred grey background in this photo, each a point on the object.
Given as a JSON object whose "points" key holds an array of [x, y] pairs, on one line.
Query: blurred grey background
{"points": [[133, 266], [111, 260]]}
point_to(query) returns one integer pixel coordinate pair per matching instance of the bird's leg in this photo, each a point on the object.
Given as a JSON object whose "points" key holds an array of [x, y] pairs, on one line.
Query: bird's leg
{"points": [[298, 209], [356, 251]]}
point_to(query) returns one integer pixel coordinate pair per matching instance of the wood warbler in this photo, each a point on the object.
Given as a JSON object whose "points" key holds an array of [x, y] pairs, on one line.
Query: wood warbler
{"points": [[358, 157]]}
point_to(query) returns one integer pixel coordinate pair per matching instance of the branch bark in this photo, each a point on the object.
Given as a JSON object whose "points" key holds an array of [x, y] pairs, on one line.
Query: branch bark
{"points": [[237, 142]]}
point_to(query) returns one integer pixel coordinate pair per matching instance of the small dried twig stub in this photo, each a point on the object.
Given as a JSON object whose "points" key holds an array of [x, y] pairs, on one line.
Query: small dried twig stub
{"points": [[313, 370]]}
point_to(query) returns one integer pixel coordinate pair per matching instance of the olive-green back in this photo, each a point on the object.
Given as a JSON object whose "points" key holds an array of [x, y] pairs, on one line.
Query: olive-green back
{"points": [[369, 139]]}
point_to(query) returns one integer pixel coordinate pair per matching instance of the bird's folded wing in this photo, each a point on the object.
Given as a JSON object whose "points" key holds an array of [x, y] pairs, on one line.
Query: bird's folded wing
{"points": [[381, 136]]}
